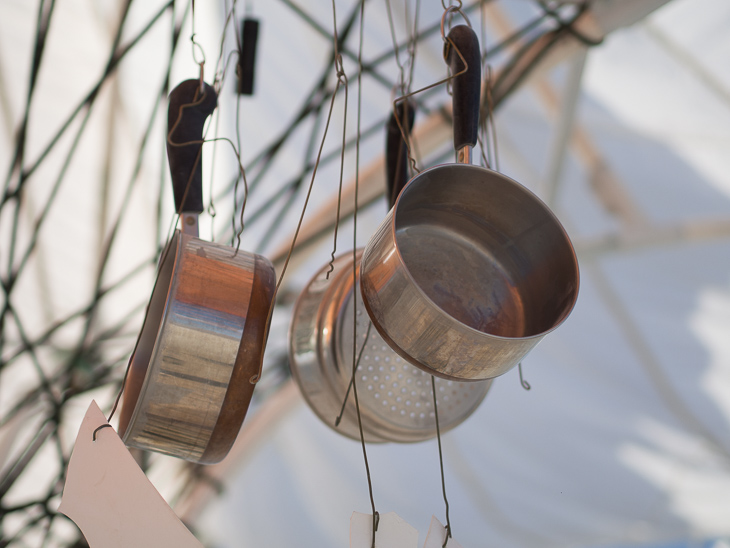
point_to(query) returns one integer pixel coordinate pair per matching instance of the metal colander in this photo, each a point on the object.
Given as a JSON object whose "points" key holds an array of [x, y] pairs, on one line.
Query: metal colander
{"points": [[395, 398]]}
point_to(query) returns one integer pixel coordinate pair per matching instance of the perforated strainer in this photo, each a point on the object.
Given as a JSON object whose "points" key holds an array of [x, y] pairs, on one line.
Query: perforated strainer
{"points": [[395, 398]]}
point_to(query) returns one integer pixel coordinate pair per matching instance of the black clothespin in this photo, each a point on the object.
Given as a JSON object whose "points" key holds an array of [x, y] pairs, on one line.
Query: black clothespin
{"points": [[247, 55]]}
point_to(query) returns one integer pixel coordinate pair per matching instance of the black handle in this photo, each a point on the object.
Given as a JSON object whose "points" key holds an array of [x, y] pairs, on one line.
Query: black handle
{"points": [[247, 56], [186, 114], [396, 151], [466, 87]]}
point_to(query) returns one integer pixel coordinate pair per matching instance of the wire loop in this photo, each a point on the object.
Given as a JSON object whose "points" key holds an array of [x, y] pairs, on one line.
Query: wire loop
{"points": [[449, 13], [526, 385], [107, 425]]}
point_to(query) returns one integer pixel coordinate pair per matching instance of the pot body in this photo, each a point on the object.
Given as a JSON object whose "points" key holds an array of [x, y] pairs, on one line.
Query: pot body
{"points": [[395, 398], [188, 387], [468, 272]]}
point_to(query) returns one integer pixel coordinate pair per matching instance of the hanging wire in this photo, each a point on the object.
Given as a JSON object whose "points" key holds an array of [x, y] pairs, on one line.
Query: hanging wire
{"points": [[376, 515], [195, 45], [487, 141], [255, 378], [341, 80], [441, 461], [404, 133], [526, 385], [338, 419], [404, 82], [413, 44]]}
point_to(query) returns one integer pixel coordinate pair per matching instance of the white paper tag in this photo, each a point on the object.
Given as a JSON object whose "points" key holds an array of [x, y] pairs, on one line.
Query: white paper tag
{"points": [[437, 534], [393, 532], [111, 500]]}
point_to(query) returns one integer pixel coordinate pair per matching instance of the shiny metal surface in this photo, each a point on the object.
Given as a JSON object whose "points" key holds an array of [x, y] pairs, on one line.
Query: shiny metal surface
{"points": [[395, 398], [189, 363], [467, 273]]}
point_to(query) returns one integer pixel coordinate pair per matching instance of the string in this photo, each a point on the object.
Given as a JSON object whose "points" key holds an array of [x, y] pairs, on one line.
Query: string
{"points": [[338, 419], [401, 68], [413, 43], [484, 121], [405, 83], [341, 79], [255, 378], [93, 436], [441, 461], [376, 516], [196, 47], [237, 234], [211, 206], [526, 385], [403, 132], [221, 72]]}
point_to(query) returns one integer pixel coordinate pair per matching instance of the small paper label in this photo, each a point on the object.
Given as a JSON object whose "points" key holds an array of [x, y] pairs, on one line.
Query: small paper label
{"points": [[111, 500], [393, 532], [437, 534]]}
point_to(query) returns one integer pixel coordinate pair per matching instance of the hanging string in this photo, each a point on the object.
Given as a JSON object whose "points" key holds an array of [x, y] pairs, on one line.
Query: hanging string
{"points": [[404, 82], [404, 133], [441, 460], [220, 72], [401, 69], [255, 378], [237, 233], [526, 385], [211, 206], [341, 79], [487, 145], [413, 43], [376, 516], [338, 419]]}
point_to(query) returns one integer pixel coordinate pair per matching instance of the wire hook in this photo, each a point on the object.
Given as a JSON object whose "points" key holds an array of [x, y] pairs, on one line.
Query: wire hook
{"points": [[452, 9], [526, 385], [107, 425], [448, 43]]}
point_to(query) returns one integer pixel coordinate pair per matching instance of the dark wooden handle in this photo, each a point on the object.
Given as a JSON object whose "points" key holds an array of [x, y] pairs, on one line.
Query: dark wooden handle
{"points": [[189, 107], [466, 87], [396, 151], [247, 56]]}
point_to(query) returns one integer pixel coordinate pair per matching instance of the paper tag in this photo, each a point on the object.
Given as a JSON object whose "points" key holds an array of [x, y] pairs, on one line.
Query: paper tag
{"points": [[111, 500], [393, 532], [437, 534]]}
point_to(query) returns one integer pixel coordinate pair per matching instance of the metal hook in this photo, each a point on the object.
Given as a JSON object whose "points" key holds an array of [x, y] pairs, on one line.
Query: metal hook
{"points": [[457, 5], [376, 522], [446, 80], [523, 382], [447, 11], [107, 425], [448, 535]]}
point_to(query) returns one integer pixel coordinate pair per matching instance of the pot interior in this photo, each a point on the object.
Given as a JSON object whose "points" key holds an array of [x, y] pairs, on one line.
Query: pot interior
{"points": [[486, 251]]}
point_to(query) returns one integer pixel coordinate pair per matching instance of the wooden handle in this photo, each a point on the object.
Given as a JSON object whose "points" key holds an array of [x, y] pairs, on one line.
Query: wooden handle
{"points": [[466, 87], [189, 107], [396, 151]]}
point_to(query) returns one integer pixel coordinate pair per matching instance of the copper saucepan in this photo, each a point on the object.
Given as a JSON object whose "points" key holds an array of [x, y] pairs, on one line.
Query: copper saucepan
{"points": [[203, 338], [469, 270]]}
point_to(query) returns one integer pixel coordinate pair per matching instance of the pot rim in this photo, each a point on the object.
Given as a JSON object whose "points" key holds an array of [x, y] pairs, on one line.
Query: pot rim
{"points": [[392, 229]]}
